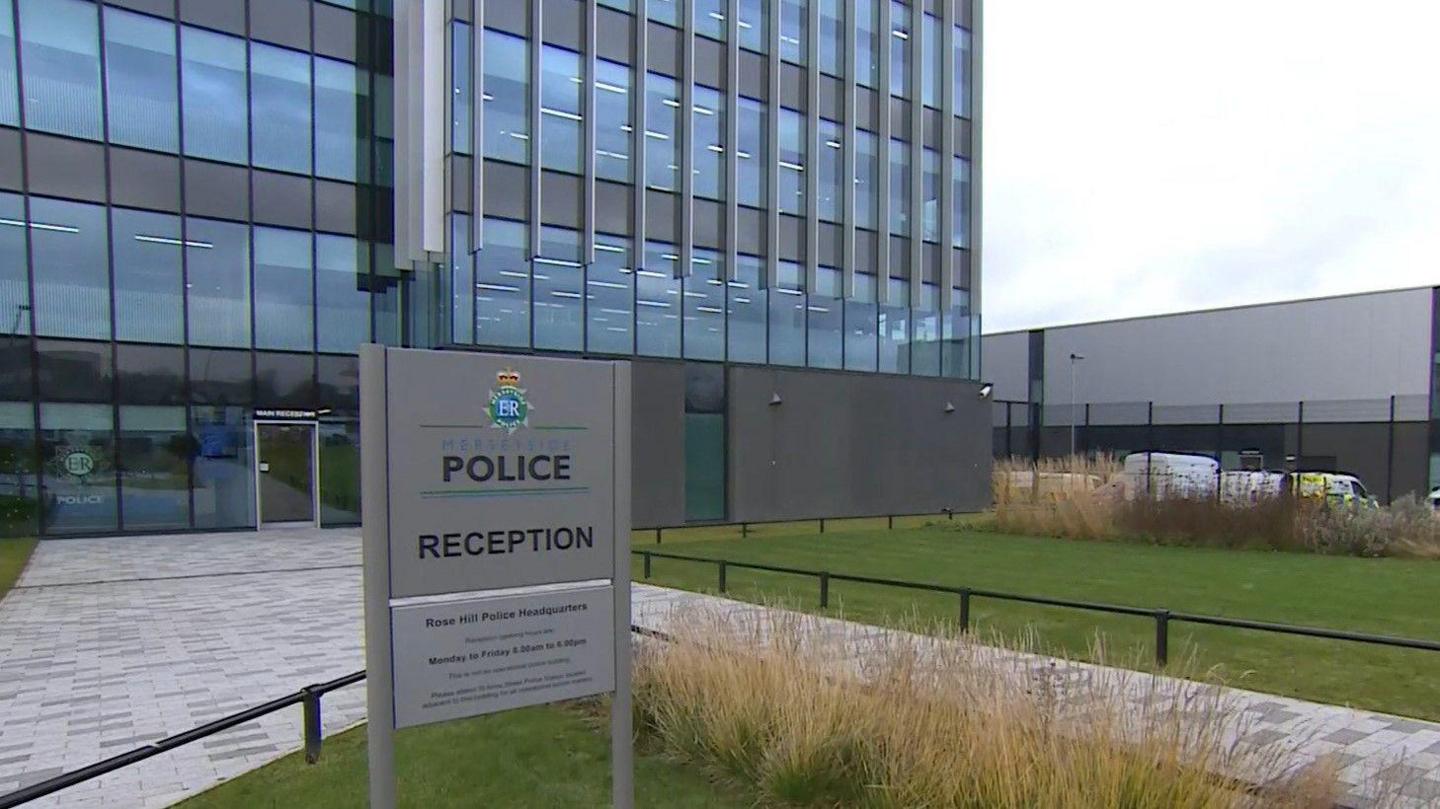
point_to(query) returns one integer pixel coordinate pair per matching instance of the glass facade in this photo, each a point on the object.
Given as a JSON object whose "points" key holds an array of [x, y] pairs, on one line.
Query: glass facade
{"points": [[234, 251]]}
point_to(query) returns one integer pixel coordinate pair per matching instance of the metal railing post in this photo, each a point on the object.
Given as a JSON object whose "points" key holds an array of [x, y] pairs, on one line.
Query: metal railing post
{"points": [[646, 557], [657, 535], [964, 610], [1162, 637], [722, 575], [744, 530], [310, 702], [822, 525], [824, 589], [890, 521]]}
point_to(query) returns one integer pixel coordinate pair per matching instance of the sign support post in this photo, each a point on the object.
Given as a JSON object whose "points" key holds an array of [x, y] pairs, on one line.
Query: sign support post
{"points": [[622, 735]]}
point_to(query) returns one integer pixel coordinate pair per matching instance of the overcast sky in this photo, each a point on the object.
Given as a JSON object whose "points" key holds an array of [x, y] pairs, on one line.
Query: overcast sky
{"points": [[1146, 156]]}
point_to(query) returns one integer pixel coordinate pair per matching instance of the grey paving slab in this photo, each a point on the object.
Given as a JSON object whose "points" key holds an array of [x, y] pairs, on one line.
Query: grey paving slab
{"points": [[106, 644]]}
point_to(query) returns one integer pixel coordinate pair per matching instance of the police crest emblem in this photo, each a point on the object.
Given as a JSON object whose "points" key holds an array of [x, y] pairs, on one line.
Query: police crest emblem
{"points": [[508, 409]]}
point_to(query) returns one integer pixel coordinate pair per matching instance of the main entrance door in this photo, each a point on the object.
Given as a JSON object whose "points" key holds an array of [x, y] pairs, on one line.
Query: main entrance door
{"points": [[286, 471]]}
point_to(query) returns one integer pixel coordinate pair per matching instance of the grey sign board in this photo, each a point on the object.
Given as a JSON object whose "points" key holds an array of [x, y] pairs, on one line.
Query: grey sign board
{"points": [[485, 473]]}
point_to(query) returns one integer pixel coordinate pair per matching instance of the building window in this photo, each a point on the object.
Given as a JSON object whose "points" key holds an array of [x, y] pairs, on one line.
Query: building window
{"points": [[746, 308], [925, 351], [670, 12], [559, 278], [14, 283], [957, 359], [70, 255], [562, 118], [867, 42], [704, 295], [930, 194], [149, 289], [506, 97], [619, 5], [960, 191], [662, 138], [502, 285], [899, 187], [280, 108], [224, 479], [867, 178], [78, 502], [792, 162], [793, 24], [894, 329], [461, 97], [935, 61], [60, 48], [860, 324], [962, 72], [832, 36], [825, 317], [613, 129], [830, 162], [751, 155], [9, 81], [155, 481], [710, 18], [213, 85], [459, 282], [708, 138], [754, 25], [337, 133], [609, 297], [283, 289], [140, 81], [342, 306], [217, 262], [787, 316], [900, 32], [657, 302]]}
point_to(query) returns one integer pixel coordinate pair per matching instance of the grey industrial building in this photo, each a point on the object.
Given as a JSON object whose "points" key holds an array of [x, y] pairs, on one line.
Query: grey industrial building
{"points": [[206, 206], [1345, 383]]}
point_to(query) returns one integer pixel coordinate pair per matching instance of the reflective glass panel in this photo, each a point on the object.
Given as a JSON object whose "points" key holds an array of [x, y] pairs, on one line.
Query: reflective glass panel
{"points": [[751, 155], [754, 25], [962, 72], [609, 296], [960, 233], [77, 446], [670, 12], [899, 187], [502, 285], [154, 460], [21, 515], [217, 256], [14, 277], [224, 475], [895, 329], [792, 162], [71, 264], [825, 316], [9, 84], [657, 302], [832, 36], [149, 288], [930, 193], [710, 18], [60, 47], [613, 130], [867, 178], [622, 5], [559, 278], [340, 473], [561, 114], [900, 33], [925, 352], [212, 82], [747, 310], [787, 316], [934, 61], [461, 97], [704, 296], [662, 119], [283, 284], [342, 306], [708, 137], [793, 25], [830, 162], [140, 81], [337, 133], [861, 324], [867, 42], [461, 281], [279, 108], [506, 97], [958, 349]]}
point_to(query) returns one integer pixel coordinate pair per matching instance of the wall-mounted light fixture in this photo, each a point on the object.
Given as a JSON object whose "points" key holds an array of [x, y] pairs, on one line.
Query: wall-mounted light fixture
{"points": [[775, 399], [986, 389], [949, 407]]}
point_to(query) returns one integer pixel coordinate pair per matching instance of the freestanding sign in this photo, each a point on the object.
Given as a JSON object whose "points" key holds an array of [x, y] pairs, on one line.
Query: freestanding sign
{"points": [[496, 541]]}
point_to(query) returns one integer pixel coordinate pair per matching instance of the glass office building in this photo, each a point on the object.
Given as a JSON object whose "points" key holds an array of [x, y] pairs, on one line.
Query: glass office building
{"points": [[197, 226]]}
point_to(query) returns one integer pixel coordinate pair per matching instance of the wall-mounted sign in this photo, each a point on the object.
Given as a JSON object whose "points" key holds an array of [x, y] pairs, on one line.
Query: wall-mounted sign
{"points": [[496, 524], [286, 414]]}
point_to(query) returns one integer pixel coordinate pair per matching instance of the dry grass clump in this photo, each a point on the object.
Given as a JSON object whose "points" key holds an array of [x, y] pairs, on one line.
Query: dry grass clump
{"points": [[809, 718]]}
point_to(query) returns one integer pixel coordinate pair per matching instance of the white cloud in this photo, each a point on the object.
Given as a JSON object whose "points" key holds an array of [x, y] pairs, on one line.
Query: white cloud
{"points": [[1146, 156]]}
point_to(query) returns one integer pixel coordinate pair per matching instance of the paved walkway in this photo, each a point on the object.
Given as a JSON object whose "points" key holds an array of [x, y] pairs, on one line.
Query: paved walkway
{"points": [[109, 643]]}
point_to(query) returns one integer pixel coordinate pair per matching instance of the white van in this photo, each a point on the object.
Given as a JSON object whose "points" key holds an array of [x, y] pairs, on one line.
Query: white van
{"points": [[1162, 475], [1246, 487]]}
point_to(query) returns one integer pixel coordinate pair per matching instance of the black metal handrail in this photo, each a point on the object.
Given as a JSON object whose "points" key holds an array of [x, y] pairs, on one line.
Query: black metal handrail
{"points": [[1161, 617], [745, 525]]}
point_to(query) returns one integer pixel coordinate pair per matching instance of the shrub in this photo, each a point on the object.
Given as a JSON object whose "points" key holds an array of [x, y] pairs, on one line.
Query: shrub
{"points": [[789, 707]]}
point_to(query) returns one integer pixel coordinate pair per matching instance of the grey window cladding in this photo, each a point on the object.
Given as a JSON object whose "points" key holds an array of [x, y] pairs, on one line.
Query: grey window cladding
{"points": [[512, 17], [159, 8], [61, 167], [216, 190], [506, 190], [663, 50], [281, 199], [710, 63], [461, 186], [335, 32], [613, 205], [750, 231], [900, 119], [662, 216], [754, 73], [144, 179], [222, 15], [335, 207], [281, 23], [792, 87], [560, 199], [563, 23], [708, 218], [11, 177], [614, 36]]}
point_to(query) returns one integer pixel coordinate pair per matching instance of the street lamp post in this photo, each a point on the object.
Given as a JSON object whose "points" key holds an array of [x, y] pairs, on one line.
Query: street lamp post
{"points": [[1074, 358]]}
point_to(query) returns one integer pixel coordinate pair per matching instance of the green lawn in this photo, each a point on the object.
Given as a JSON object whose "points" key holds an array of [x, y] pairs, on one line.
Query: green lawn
{"points": [[550, 757], [13, 555], [1384, 596]]}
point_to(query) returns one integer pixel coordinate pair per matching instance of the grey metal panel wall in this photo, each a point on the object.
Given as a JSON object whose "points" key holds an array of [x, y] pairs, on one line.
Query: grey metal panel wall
{"points": [[853, 444], [657, 440], [1355, 347], [1006, 360]]}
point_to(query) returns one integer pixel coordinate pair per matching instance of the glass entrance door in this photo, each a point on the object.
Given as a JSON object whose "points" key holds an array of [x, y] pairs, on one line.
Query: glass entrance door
{"points": [[285, 454]]}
